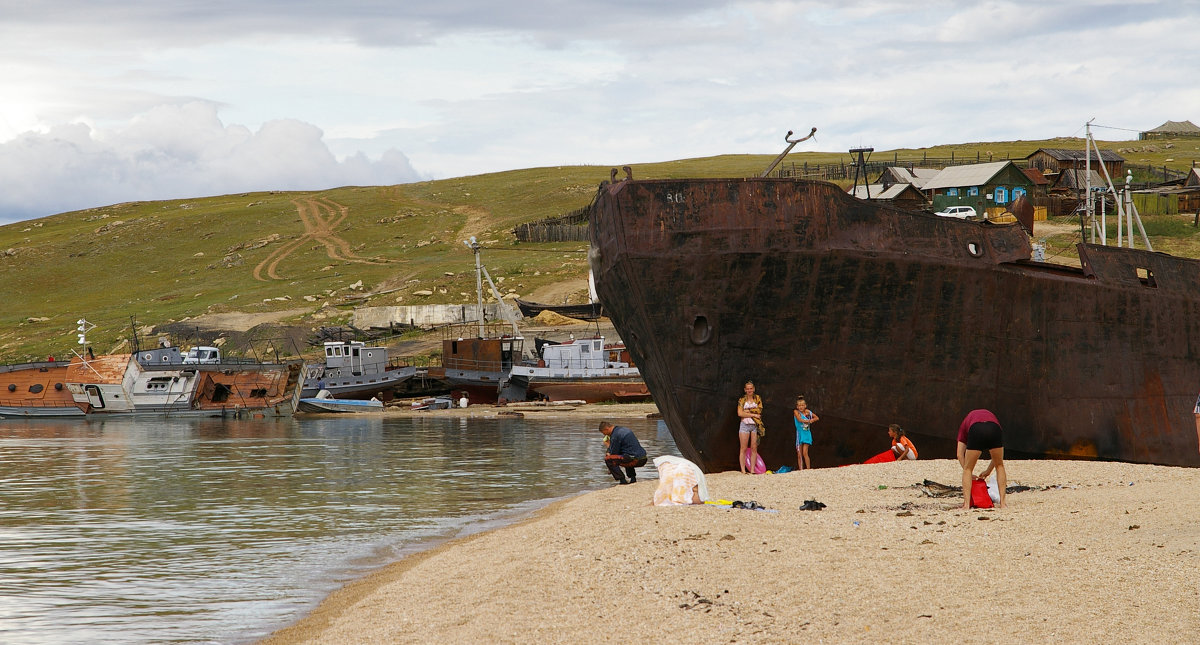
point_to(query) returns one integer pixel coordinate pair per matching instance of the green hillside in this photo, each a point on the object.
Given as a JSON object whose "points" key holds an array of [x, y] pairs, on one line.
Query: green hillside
{"points": [[166, 261]]}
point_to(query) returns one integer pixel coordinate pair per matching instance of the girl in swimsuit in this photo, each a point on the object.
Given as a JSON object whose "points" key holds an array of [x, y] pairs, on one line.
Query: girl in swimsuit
{"points": [[749, 410]]}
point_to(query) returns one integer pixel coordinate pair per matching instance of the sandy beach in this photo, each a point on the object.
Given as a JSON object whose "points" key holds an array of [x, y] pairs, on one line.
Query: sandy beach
{"points": [[1093, 552]]}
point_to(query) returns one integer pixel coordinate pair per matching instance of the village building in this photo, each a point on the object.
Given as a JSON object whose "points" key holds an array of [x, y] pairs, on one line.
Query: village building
{"points": [[1052, 161], [901, 175], [1174, 199], [1172, 129], [901, 195], [989, 188]]}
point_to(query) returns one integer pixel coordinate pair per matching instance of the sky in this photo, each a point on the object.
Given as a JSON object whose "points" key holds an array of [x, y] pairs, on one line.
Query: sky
{"points": [[130, 100]]}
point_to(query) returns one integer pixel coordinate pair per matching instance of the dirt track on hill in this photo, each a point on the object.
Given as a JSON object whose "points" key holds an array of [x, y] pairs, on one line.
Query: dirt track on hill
{"points": [[320, 217]]}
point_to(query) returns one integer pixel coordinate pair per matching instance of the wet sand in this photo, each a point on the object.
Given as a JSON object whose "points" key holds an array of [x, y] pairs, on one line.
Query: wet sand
{"points": [[1097, 552]]}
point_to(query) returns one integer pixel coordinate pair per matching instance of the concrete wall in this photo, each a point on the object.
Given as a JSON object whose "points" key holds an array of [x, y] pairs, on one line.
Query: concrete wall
{"points": [[425, 315]]}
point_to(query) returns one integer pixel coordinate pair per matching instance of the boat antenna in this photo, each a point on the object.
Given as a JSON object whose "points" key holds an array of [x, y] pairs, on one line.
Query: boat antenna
{"points": [[860, 168], [791, 144]]}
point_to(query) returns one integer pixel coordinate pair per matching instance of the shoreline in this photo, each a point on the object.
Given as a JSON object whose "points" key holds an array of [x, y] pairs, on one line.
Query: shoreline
{"points": [[1094, 549], [525, 410]]}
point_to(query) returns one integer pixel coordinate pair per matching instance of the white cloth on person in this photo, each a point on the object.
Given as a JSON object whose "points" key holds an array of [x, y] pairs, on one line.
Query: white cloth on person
{"points": [[676, 479]]}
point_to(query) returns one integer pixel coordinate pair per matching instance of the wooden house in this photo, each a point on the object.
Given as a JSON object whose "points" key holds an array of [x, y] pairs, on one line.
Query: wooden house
{"points": [[902, 175], [1172, 129], [1055, 160], [987, 187], [904, 196]]}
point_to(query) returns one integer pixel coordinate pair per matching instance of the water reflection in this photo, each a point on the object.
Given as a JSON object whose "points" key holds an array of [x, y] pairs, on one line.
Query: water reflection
{"points": [[220, 531]]}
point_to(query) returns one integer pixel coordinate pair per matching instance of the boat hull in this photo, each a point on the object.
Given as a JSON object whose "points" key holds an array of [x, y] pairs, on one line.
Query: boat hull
{"points": [[590, 390], [880, 316]]}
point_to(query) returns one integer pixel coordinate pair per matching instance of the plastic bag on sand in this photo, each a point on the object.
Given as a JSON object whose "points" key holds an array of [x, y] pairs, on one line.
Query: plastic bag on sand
{"points": [[677, 477], [993, 488]]}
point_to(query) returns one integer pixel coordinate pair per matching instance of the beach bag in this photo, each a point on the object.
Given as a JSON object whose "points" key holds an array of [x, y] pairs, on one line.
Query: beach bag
{"points": [[979, 494]]}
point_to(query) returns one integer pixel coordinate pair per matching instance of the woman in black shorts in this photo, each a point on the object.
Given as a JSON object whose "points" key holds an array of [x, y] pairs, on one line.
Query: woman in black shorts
{"points": [[981, 431]]}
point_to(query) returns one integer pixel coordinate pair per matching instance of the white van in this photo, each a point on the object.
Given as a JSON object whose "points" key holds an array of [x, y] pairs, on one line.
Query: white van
{"points": [[961, 212]]}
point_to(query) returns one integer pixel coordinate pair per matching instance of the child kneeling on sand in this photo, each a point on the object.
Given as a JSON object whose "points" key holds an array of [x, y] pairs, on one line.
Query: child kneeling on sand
{"points": [[901, 446]]}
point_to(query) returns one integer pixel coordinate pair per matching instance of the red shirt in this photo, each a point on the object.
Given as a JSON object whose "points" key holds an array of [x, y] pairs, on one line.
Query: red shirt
{"points": [[973, 417]]}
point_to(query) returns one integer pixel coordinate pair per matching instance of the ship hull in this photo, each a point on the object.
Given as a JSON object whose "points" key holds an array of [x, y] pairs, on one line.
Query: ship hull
{"points": [[589, 390], [880, 316]]}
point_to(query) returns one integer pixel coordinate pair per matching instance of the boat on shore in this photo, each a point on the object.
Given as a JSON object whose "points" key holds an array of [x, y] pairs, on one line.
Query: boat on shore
{"points": [[879, 315], [581, 369], [152, 382], [589, 311], [352, 370], [324, 401]]}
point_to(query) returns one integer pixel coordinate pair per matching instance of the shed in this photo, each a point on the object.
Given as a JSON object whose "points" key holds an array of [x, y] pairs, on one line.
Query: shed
{"points": [[1054, 160], [1172, 129], [1193, 178], [901, 175], [902, 195], [1077, 180], [987, 187]]}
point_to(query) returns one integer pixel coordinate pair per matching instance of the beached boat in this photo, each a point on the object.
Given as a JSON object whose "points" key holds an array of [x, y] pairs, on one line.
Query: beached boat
{"points": [[880, 316], [352, 370], [153, 382], [325, 402], [481, 365], [589, 311], [581, 369]]}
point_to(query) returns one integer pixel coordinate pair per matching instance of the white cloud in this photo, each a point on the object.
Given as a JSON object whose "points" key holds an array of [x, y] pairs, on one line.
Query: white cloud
{"points": [[467, 86], [173, 152]]}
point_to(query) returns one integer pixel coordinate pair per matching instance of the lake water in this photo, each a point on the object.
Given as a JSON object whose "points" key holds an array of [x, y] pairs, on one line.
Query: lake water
{"points": [[213, 531]]}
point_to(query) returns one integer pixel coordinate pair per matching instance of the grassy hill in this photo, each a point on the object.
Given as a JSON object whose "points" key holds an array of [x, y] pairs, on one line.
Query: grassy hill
{"points": [[305, 252]]}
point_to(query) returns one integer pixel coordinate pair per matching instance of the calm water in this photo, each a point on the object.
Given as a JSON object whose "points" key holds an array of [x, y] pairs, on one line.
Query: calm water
{"points": [[222, 531]]}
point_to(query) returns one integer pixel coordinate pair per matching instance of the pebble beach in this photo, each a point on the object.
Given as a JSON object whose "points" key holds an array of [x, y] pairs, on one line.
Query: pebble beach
{"points": [[1091, 552]]}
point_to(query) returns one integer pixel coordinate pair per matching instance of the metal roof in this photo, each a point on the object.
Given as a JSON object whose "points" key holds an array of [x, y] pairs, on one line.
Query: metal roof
{"points": [[1062, 154], [973, 175], [915, 176], [878, 191]]}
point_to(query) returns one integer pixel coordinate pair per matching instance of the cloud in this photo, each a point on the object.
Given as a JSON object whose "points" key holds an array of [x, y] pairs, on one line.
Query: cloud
{"points": [[173, 152]]}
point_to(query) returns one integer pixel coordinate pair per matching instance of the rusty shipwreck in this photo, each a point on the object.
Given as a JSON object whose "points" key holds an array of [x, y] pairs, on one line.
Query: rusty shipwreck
{"points": [[881, 316]]}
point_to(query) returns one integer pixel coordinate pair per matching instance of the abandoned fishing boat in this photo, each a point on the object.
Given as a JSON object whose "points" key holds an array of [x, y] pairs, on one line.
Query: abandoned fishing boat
{"points": [[152, 382], [581, 369], [352, 370], [481, 365], [880, 316], [588, 311]]}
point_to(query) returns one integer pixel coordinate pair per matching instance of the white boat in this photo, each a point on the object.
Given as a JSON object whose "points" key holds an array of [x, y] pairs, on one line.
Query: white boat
{"points": [[324, 402]]}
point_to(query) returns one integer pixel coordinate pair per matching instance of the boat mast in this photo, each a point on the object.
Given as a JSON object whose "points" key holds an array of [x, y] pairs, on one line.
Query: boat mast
{"points": [[474, 246], [1126, 212]]}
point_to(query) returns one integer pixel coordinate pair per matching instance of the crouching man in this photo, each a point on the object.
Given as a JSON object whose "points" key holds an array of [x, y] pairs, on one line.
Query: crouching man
{"points": [[624, 451]]}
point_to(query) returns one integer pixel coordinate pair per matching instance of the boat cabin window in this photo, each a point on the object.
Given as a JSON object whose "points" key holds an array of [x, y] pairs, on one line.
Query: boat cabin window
{"points": [[258, 393], [35, 388], [159, 384], [220, 393]]}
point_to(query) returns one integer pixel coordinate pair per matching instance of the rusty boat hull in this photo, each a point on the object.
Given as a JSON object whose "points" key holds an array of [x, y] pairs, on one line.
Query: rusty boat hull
{"points": [[880, 316]]}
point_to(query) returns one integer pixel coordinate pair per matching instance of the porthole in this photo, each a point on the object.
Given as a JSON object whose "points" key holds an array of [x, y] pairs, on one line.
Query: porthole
{"points": [[974, 249], [35, 388], [58, 386], [12, 387], [701, 330]]}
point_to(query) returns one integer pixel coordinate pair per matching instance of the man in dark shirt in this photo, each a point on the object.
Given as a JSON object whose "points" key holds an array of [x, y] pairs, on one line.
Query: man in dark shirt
{"points": [[623, 451]]}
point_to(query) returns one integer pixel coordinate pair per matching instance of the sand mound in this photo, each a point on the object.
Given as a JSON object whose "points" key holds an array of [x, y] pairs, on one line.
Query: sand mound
{"points": [[551, 319]]}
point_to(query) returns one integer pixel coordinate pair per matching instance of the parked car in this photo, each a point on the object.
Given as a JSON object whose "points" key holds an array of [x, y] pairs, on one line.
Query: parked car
{"points": [[961, 212]]}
